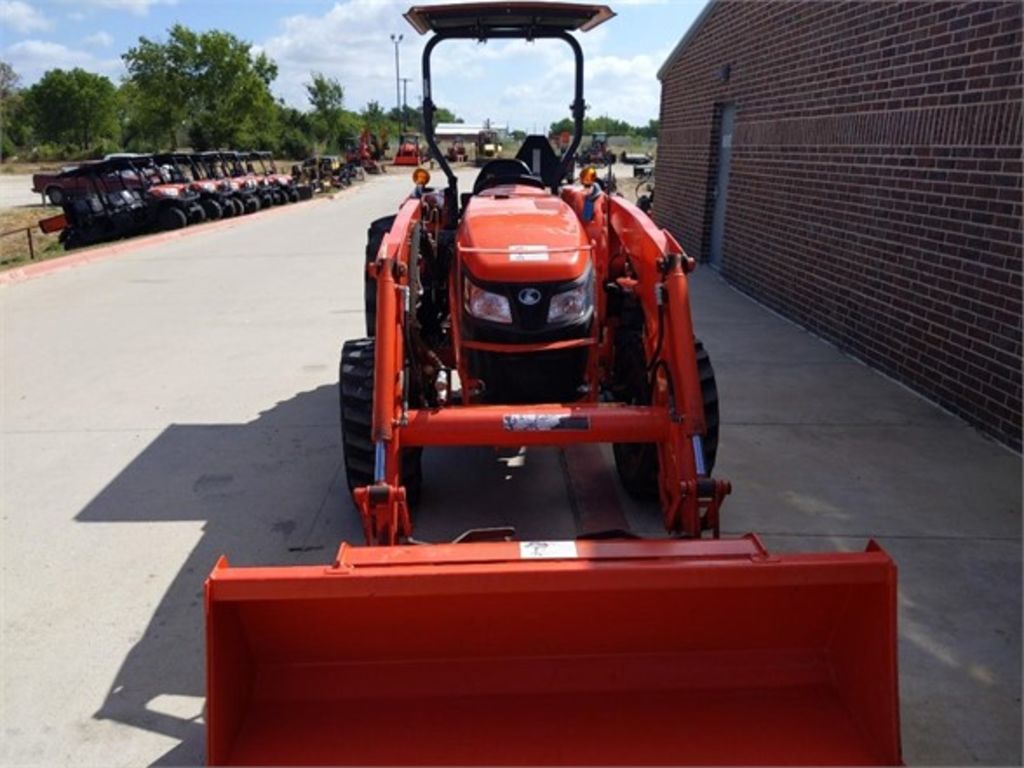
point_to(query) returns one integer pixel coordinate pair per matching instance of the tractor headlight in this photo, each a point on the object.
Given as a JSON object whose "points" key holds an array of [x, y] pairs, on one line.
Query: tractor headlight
{"points": [[486, 305], [569, 305], [209, 188]]}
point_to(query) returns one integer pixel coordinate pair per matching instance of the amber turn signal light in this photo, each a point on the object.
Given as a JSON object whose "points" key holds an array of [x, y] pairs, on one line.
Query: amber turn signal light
{"points": [[420, 177]]}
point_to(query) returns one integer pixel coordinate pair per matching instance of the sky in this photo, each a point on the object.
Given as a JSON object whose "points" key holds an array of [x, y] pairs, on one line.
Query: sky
{"points": [[522, 85]]}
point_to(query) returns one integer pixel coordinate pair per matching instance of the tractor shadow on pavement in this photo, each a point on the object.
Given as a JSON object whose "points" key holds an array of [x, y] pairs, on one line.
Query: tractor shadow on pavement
{"points": [[273, 492]]}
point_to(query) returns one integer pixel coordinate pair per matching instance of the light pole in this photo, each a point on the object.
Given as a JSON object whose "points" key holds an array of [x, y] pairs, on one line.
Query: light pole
{"points": [[396, 39], [405, 97]]}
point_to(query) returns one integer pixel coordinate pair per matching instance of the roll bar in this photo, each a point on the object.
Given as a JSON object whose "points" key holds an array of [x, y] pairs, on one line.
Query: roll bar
{"points": [[578, 105]]}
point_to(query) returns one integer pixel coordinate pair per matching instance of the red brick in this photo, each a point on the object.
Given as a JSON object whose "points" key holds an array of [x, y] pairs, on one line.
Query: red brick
{"points": [[875, 188]]}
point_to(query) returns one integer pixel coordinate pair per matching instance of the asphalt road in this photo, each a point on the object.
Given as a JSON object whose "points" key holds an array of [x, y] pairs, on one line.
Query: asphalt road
{"points": [[172, 404]]}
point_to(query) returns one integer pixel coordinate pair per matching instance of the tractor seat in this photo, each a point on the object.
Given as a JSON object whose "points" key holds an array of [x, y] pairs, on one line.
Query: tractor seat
{"points": [[538, 155], [505, 171]]}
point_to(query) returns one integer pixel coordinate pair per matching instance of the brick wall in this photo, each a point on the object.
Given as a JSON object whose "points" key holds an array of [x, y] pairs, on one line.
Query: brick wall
{"points": [[875, 187]]}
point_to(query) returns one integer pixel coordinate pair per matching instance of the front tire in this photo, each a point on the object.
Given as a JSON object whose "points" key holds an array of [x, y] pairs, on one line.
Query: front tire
{"points": [[637, 463], [213, 210], [355, 395], [374, 237], [171, 218], [55, 195]]}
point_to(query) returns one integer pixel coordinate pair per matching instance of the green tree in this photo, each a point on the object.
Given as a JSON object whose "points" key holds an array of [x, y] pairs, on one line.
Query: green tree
{"points": [[605, 124], [414, 117], [295, 132], [73, 107], [326, 97], [15, 124], [208, 86]]}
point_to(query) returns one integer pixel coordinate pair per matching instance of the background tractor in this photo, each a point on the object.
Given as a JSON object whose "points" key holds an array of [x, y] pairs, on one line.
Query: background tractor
{"points": [[528, 312], [487, 147], [597, 153], [409, 151]]}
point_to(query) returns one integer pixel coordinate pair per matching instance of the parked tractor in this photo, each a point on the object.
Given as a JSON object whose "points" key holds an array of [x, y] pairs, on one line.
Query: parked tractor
{"points": [[529, 312], [457, 151], [409, 152], [597, 153], [367, 152], [487, 147]]}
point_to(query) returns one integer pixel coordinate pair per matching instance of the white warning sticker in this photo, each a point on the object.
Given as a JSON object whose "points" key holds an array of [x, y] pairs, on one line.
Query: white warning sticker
{"points": [[528, 253], [547, 550], [543, 422]]}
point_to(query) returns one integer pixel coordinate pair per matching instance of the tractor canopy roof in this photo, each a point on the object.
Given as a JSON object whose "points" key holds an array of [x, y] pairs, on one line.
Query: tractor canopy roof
{"points": [[507, 17]]}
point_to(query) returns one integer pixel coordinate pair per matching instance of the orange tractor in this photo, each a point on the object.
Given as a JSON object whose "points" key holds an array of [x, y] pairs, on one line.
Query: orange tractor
{"points": [[529, 312], [409, 151]]}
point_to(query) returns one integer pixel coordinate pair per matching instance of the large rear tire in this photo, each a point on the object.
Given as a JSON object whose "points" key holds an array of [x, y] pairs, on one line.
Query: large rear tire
{"points": [[374, 237], [355, 394], [637, 463]]}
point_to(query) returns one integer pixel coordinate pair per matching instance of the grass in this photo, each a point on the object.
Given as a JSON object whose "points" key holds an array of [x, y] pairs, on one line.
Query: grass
{"points": [[14, 247], [16, 168]]}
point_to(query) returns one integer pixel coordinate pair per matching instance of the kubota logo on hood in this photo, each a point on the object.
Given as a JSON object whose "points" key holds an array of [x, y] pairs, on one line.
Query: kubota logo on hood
{"points": [[529, 296]]}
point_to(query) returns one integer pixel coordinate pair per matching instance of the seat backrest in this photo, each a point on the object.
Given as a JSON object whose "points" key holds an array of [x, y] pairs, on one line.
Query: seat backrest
{"points": [[505, 171], [540, 158]]}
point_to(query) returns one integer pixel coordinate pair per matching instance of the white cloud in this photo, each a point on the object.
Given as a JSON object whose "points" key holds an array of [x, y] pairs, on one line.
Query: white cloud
{"points": [[134, 7], [511, 82], [31, 58], [138, 7], [349, 42], [22, 17], [101, 39]]}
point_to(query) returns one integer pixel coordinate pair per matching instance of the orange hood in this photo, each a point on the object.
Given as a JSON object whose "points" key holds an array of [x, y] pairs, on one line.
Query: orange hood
{"points": [[519, 234]]}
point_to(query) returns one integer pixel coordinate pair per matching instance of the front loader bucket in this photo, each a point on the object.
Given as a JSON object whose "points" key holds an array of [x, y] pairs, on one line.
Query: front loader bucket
{"points": [[590, 652]]}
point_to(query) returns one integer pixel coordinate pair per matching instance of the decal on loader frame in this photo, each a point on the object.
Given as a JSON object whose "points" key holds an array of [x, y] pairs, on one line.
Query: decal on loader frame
{"points": [[547, 550], [543, 422]]}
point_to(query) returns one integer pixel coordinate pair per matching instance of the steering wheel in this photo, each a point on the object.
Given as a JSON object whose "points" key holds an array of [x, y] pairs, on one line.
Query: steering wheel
{"points": [[505, 171]]}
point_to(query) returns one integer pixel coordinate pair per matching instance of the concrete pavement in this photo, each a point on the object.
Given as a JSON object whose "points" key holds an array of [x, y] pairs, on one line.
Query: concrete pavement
{"points": [[16, 190], [169, 405]]}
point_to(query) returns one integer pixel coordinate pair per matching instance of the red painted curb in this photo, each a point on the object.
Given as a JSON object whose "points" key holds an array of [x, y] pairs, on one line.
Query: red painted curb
{"points": [[100, 253]]}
